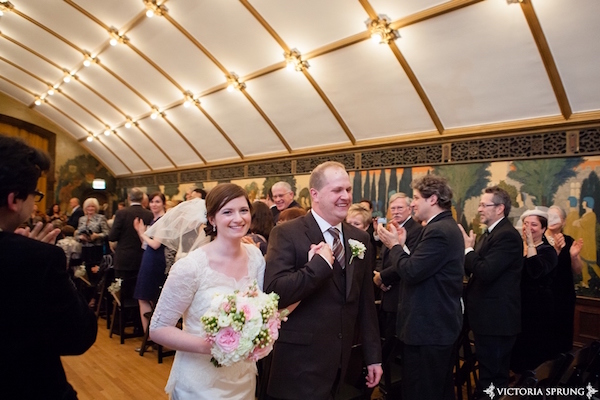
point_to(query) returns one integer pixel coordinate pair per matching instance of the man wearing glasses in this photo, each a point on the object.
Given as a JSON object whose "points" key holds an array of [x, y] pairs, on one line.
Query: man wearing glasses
{"points": [[493, 297], [43, 316]]}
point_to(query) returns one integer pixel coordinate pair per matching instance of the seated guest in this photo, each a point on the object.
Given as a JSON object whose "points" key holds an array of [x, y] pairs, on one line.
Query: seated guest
{"points": [[70, 246], [54, 214], [534, 343], [43, 317]]}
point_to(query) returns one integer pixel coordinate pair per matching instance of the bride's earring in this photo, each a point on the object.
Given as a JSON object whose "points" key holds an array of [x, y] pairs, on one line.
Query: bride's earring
{"points": [[214, 228]]}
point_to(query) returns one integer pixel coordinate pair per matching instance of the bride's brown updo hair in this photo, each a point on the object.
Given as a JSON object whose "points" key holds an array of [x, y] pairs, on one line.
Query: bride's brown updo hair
{"points": [[220, 195]]}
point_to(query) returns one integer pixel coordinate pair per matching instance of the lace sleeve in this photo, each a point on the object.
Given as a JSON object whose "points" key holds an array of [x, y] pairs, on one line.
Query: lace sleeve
{"points": [[258, 265], [177, 295]]}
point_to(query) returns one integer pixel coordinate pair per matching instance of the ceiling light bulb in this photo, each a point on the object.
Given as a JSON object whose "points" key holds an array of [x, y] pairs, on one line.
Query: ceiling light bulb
{"points": [[90, 138], [154, 115], [376, 37], [150, 13], [1, 13], [107, 132], [230, 88], [50, 91], [128, 124], [87, 63], [113, 42], [67, 78], [290, 66], [38, 102]]}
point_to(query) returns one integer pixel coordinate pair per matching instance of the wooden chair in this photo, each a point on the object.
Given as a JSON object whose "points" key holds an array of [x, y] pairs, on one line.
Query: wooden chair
{"points": [[126, 309], [161, 352]]}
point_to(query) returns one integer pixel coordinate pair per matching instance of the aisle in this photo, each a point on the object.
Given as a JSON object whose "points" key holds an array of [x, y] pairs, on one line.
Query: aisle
{"points": [[113, 371]]}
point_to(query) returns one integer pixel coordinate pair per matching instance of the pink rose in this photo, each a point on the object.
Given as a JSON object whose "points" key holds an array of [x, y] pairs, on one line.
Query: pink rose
{"points": [[259, 352], [273, 326], [227, 339], [248, 311]]}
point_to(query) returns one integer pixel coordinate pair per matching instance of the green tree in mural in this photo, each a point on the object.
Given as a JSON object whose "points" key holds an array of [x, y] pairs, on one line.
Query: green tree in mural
{"points": [[512, 191], [304, 198], [367, 189], [382, 192], [541, 178], [373, 192], [590, 187], [466, 181], [393, 185], [270, 181], [357, 187], [405, 181], [171, 189]]}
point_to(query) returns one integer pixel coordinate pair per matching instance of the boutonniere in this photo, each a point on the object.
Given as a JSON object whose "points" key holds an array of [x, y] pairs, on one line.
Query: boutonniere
{"points": [[358, 249]]}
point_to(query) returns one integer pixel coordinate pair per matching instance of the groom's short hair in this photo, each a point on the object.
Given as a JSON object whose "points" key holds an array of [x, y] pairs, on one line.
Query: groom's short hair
{"points": [[317, 177]]}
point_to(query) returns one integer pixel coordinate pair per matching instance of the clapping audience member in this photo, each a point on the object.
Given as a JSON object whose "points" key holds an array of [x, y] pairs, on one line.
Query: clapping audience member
{"points": [[92, 231], [493, 299], [153, 268], [43, 316], [563, 287], [76, 213], [54, 214], [534, 344], [260, 227]]}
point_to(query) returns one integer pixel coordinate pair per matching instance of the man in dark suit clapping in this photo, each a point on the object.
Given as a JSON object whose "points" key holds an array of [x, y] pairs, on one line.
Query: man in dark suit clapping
{"points": [[42, 316], [128, 253], [310, 265], [76, 213], [431, 279], [493, 296]]}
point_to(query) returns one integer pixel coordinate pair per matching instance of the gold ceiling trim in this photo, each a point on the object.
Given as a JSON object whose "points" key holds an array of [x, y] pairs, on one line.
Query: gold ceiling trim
{"points": [[185, 139], [547, 58], [267, 119]]}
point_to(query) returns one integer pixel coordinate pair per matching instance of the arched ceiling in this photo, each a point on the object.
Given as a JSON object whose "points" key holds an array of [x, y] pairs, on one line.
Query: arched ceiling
{"points": [[459, 67]]}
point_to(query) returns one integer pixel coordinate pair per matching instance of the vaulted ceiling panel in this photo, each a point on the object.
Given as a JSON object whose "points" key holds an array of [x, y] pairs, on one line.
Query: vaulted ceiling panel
{"points": [[116, 13], [20, 56], [107, 157], [492, 71], [21, 78], [76, 112], [185, 63], [311, 124], [123, 152], [242, 123], [89, 100], [308, 25], [371, 92], [14, 91], [401, 9], [229, 32], [170, 141], [152, 154], [63, 120], [579, 65], [202, 134], [134, 70]]}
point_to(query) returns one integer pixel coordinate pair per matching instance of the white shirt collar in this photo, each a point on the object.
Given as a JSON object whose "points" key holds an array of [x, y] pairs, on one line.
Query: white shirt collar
{"points": [[492, 226], [405, 221], [324, 225]]}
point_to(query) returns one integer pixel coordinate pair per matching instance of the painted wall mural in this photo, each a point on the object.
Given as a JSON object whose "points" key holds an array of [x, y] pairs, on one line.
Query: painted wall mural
{"points": [[571, 183]]}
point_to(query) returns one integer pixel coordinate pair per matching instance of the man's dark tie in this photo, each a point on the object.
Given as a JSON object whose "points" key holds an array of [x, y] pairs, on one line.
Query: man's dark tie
{"points": [[338, 248], [481, 240]]}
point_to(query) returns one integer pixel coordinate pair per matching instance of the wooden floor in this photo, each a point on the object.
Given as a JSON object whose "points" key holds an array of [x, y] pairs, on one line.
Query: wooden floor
{"points": [[110, 370]]}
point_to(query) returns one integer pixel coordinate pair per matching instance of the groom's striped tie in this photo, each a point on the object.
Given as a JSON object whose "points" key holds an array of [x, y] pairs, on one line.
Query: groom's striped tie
{"points": [[338, 248]]}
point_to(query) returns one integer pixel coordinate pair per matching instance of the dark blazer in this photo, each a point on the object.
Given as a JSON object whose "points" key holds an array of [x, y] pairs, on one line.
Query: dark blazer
{"points": [[128, 254], [389, 299], [275, 211], [316, 340], [74, 217], [42, 318], [431, 280], [493, 294]]}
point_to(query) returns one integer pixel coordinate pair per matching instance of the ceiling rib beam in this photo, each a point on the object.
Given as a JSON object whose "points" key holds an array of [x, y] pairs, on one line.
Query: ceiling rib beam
{"points": [[409, 73], [157, 146], [312, 81], [432, 12], [115, 133], [267, 119], [547, 59], [227, 138]]}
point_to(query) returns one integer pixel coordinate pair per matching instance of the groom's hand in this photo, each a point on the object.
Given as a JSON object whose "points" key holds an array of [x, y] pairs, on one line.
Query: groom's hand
{"points": [[374, 373]]}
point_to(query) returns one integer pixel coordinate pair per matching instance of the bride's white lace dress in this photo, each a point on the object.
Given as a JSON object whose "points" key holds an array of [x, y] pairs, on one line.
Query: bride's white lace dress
{"points": [[188, 293]]}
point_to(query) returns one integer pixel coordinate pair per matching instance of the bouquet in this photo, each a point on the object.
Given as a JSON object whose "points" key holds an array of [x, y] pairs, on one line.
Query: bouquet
{"points": [[81, 273], [242, 326]]}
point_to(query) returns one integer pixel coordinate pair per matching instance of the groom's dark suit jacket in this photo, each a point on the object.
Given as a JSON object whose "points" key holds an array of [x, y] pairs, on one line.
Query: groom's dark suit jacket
{"points": [[128, 255], [42, 317], [493, 295], [316, 340]]}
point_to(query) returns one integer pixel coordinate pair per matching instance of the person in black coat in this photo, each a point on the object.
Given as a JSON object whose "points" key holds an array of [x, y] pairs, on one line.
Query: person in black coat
{"points": [[43, 316], [431, 279], [76, 212], [493, 295]]}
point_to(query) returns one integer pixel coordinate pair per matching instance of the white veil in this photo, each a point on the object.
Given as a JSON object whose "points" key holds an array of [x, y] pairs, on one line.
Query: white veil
{"points": [[182, 227]]}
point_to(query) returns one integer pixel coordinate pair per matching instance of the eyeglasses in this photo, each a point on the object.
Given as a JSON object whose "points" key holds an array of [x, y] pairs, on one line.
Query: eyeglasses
{"points": [[38, 196], [487, 205]]}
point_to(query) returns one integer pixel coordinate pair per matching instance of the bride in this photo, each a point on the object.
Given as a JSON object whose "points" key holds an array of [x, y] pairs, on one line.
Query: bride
{"points": [[223, 265]]}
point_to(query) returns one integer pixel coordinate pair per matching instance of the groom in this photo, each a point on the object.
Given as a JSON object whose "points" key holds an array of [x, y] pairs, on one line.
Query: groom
{"points": [[310, 265]]}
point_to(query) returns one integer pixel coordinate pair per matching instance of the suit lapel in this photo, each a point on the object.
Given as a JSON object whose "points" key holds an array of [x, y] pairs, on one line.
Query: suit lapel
{"points": [[349, 265]]}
